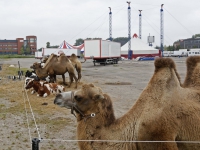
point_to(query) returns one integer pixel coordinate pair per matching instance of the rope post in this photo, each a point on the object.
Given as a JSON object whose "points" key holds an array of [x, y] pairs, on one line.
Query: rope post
{"points": [[35, 144]]}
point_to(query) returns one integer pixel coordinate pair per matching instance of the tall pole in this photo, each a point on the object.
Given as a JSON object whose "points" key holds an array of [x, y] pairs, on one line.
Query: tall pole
{"points": [[129, 29], [161, 29], [110, 24], [140, 24]]}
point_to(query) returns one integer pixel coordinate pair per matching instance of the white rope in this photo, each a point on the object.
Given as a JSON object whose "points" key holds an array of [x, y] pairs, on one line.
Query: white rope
{"points": [[120, 141], [29, 131], [33, 116]]}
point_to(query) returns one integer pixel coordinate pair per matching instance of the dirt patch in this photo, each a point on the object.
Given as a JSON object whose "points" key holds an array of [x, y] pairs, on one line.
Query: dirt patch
{"points": [[118, 83]]}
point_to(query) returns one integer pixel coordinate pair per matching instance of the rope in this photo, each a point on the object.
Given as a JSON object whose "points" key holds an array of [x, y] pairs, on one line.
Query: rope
{"points": [[29, 131], [33, 116], [120, 141]]}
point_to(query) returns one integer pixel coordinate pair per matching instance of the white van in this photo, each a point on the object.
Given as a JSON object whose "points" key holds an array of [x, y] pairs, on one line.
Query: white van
{"points": [[194, 52]]}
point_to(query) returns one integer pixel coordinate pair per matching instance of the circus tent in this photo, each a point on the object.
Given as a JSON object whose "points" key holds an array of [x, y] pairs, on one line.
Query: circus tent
{"points": [[65, 45], [139, 49]]}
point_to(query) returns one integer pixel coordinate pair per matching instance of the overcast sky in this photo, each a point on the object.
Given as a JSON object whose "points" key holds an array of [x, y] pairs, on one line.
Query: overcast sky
{"points": [[57, 20]]}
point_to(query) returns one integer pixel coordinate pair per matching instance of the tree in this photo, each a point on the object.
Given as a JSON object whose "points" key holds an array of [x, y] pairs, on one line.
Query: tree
{"points": [[28, 49], [48, 45], [122, 40], [22, 50], [79, 42]]}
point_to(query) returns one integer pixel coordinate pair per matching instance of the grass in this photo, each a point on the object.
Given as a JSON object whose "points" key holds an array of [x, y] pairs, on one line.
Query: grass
{"points": [[50, 116], [16, 56]]}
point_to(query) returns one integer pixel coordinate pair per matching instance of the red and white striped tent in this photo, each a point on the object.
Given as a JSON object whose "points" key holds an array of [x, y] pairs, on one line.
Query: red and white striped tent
{"points": [[65, 45]]}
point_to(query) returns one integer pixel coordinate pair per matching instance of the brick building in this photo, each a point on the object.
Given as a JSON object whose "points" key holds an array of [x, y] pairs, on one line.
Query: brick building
{"points": [[188, 43], [14, 46]]}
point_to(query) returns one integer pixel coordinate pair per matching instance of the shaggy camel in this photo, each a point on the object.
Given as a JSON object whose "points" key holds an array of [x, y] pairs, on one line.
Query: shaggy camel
{"points": [[164, 111], [192, 79], [55, 66], [77, 64]]}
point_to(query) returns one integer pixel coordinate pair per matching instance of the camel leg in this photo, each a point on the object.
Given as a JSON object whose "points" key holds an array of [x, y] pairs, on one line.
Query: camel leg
{"points": [[79, 74], [76, 80], [54, 78], [63, 76]]}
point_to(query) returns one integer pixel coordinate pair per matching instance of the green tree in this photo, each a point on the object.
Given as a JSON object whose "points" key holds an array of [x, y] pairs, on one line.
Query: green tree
{"points": [[22, 50], [28, 49], [79, 42], [48, 45], [122, 40]]}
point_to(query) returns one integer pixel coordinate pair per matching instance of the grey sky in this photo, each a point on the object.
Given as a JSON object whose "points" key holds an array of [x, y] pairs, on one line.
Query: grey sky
{"points": [[57, 20]]}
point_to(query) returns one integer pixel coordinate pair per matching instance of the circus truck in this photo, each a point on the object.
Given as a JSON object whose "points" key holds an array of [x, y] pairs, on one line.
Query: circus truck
{"points": [[49, 51], [102, 51]]}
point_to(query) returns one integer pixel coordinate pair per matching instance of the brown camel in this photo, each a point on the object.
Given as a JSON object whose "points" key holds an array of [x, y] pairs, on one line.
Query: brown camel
{"points": [[164, 116], [55, 66], [77, 64], [192, 79]]}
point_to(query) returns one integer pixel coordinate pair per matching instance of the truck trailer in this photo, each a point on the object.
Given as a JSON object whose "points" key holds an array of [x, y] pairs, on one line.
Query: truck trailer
{"points": [[49, 51], [102, 51]]}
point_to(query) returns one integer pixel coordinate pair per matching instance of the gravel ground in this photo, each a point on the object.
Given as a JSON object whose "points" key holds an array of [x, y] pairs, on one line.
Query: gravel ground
{"points": [[123, 82]]}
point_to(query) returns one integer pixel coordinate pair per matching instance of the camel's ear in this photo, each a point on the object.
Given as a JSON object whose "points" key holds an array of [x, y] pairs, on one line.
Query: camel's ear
{"points": [[98, 97]]}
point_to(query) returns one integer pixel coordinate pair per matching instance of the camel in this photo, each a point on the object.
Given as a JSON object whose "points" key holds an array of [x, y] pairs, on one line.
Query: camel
{"points": [[192, 79], [55, 66], [77, 64], [163, 117]]}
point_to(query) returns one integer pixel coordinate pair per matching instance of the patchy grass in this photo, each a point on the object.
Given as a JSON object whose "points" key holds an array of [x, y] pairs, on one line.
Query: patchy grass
{"points": [[52, 120], [16, 56]]}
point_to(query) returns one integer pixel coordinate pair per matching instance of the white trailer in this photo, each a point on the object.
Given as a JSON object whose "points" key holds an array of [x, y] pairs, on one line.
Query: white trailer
{"points": [[184, 52], [168, 53], [38, 55], [68, 52], [49, 51], [177, 54], [194, 52], [102, 51]]}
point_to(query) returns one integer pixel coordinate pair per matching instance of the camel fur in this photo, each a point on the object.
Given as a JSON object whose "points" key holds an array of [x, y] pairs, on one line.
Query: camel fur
{"points": [[55, 66], [192, 79], [77, 65], [165, 111]]}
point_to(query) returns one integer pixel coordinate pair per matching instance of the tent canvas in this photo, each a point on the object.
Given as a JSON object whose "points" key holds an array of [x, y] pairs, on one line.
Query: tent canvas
{"points": [[139, 48]]}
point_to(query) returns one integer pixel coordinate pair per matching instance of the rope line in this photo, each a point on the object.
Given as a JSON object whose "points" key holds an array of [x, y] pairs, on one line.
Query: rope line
{"points": [[29, 131], [120, 141], [33, 115]]}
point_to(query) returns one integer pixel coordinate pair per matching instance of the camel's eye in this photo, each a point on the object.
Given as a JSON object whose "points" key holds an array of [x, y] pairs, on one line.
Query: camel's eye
{"points": [[78, 98]]}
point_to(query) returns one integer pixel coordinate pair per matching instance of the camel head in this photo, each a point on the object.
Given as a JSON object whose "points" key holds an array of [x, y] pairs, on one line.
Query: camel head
{"points": [[87, 100], [36, 66], [40, 72]]}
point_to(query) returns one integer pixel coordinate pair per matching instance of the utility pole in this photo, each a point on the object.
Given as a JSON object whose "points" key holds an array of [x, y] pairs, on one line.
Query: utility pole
{"points": [[140, 24], [161, 29], [110, 24], [129, 31]]}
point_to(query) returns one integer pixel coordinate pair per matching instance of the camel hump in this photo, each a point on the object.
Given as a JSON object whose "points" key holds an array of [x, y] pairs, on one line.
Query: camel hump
{"points": [[163, 63], [192, 61], [192, 77]]}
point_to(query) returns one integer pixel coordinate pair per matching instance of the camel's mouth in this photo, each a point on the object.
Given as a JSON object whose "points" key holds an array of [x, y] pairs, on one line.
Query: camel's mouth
{"points": [[65, 99]]}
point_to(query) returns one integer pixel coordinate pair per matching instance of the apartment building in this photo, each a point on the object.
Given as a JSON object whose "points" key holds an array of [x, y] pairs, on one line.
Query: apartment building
{"points": [[14, 46]]}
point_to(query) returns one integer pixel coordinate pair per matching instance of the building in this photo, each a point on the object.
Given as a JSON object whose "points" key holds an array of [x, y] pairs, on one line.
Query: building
{"points": [[15, 46], [188, 43]]}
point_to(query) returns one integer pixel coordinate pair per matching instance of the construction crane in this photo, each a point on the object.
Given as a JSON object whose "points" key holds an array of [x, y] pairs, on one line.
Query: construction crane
{"points": [[140, 24], [161, 29], [110, 24], [129, 31]]}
